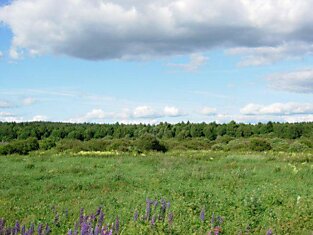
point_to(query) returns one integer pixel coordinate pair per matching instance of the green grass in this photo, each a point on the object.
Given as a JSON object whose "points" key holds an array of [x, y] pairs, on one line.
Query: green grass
{"points": [[251, 191]]}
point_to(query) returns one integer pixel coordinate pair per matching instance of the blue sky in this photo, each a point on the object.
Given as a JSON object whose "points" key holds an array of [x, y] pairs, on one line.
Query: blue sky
{"points": [[109, 68]]}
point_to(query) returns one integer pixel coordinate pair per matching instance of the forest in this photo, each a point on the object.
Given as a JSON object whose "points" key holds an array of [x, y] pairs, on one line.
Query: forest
{"points": [[21, 138]]}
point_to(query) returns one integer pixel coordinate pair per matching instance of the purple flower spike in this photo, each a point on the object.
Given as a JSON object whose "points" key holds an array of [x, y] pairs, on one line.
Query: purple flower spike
{"points": [[47, 229], [153, 220], [117, 225], [17, 228], [70, 232], [202, 215], [170, 218], [269, 232], [39, 229], [23, 230], [136, 216]]}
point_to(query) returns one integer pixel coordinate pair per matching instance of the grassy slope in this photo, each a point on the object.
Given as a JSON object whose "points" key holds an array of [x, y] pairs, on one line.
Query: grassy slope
{"points": [[248, 190]]}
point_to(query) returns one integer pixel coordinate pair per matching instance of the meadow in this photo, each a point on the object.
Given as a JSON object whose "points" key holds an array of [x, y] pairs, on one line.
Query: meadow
{"points": [[251, 192]]}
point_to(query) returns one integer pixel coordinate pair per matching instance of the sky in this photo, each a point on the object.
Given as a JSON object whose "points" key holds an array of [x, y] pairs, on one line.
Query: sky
{"points": [[131, 61]]}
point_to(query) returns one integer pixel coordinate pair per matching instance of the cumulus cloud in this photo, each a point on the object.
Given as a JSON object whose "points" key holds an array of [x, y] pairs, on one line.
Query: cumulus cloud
{"points": [[278, 109], [39, 118], [5, 104], [171, 111], [136, 115], [300, 81], [28, 101], [208, 111], [9, 117], [196, 61], [134, 29]]}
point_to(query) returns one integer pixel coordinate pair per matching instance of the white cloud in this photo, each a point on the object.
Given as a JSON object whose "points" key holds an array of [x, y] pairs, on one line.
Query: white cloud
{"points": [[300, 81], [5, 104], [38, 118], [28, 101], [263, 55], [195, 62], [1, 54], [208, 111], [145, 112], [171, 111], [9, 117], [278, 109], [124, 29]]}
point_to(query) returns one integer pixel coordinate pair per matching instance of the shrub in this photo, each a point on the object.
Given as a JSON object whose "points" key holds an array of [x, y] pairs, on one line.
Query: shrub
{"points": [[259, 145], [238, 144], [218, 147], [47, 143], [223, 139], [297, 147], [22, 147], [279, 144], [149, 142]]}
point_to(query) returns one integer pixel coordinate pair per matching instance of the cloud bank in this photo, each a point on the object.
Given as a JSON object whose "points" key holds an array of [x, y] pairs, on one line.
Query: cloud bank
{"points": [[262, 31]]}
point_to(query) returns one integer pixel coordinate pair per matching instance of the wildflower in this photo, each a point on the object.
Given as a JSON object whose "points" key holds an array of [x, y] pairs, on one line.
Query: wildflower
{"points": [[202, 215], [148, 209], [117, 224], [47, 229], [101, 218], [153, 220], [269, 232], [39, 230], [170, 218], [70, 232], [17, 227], [136, 216], [23, 229]]}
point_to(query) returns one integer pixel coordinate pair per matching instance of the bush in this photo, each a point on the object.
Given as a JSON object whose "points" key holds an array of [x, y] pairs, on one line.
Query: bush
{"points": [[218, 147], [259, 145], [279, 144], [223, 139], [22, 147], [238, 144], [297, 147], [47, 144], [149, 142]]}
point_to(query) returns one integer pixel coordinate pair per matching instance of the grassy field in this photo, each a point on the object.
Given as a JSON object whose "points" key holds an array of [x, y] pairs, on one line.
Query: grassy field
{"points": [[251, 192]]}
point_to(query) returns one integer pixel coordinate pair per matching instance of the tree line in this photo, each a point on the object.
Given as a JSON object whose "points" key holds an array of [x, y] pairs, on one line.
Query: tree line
{"points": [[210, 131]]}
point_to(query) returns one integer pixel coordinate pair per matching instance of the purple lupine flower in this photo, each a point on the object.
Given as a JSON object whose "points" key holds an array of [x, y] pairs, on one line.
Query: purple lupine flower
{"points": [[84, 228], [32, 229], [162, 210], [97, 230], [98, 210], [69, 232], [117, 225], [170, 218], [153, 220], [202, 215], [101, 218], [155, 204], [168, 205], [47, 229], [2, 224], [148, 209], [39, 230], [269, 232], [23, 230], [17, 228], [136, 216]]}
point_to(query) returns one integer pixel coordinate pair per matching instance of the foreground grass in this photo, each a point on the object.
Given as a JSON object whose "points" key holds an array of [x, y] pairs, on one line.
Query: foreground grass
{"points": [[251, 192]]}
